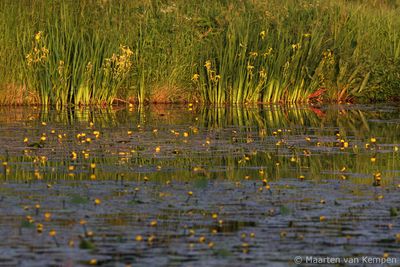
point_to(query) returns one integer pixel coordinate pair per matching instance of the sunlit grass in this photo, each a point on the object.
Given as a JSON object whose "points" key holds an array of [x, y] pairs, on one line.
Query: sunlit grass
{"points": [[211, 52]]}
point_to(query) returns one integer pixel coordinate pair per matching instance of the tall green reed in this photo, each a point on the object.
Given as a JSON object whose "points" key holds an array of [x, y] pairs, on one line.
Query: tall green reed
{"points": [[274, 51], [67, 66], [288, 59]]}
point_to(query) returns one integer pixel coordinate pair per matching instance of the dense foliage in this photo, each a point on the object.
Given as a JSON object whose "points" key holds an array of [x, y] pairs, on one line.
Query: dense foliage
{"points": [[100, 51]]}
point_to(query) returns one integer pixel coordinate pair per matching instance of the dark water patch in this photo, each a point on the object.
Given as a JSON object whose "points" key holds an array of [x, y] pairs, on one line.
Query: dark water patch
{"points": [[197, 187]]}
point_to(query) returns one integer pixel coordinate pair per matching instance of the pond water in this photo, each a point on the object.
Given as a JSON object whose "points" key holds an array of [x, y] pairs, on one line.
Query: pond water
{"points": [[198, 186]]}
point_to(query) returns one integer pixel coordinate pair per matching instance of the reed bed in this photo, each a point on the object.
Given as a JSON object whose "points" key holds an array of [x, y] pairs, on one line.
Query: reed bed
{"points": [[65, 52]]}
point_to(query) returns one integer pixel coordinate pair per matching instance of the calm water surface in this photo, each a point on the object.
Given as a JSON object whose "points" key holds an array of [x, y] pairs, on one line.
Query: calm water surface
{"points": [[192, 186]]}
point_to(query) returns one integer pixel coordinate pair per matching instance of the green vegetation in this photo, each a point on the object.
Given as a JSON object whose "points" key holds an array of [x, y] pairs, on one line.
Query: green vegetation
{"points": [[66, 52]]}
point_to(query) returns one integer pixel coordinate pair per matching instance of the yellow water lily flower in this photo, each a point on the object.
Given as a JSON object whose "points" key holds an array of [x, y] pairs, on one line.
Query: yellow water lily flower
{"points": [[263, 34], [208, 65], [195, 77]]}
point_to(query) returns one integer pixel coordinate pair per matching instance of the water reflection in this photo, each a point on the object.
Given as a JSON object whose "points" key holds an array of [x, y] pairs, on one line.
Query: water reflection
{"points": [[297, 176], [214, 142]]}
